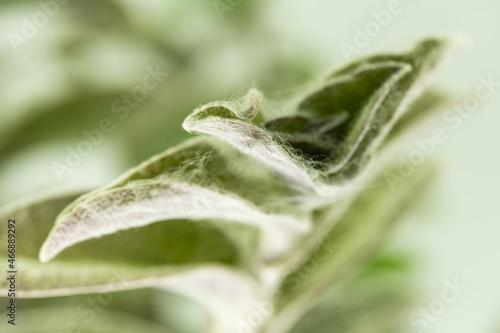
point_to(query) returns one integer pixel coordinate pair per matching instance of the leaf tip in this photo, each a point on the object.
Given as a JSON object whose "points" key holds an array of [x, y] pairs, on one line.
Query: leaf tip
{"points": [[44, 255], [49, 249]]}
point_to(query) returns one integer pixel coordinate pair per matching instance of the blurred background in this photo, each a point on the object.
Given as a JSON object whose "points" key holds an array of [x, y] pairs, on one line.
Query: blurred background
{"points": [[144, 65]]}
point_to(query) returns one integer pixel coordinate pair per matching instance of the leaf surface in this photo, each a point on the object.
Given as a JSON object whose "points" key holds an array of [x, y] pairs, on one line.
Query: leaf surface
{"points": [[196, 260], [193, 182], [331, 133]]}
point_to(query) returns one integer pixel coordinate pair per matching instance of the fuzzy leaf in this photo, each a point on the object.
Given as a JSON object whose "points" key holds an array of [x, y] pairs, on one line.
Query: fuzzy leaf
{"points": [[332, 132], [234, 222], [196, 260], [195, 182]]}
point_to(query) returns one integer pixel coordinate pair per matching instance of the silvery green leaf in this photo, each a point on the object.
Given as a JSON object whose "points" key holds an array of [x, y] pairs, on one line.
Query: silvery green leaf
{"points": [[197, 260], [194, 181], [332, 131], [160, 247], [238, 123], [353, 240], [274, 209]]}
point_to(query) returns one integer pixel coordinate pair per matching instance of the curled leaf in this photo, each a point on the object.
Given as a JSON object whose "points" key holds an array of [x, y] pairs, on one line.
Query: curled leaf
{"points": [[332, 132]]}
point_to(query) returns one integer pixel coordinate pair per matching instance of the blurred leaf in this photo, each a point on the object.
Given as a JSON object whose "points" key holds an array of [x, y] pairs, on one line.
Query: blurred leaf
{"points": [[58, 320], [66, 120], [419, 113], [375, 301], [353, 240]]}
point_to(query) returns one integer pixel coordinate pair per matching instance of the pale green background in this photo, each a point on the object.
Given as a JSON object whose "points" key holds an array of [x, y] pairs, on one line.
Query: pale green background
{"points": [[456, 232]]}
